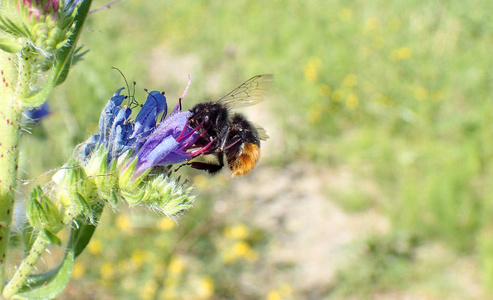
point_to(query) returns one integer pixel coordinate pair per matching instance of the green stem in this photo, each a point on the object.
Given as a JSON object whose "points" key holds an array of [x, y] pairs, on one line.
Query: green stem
{"points": [[20, 277], [10, 115]]}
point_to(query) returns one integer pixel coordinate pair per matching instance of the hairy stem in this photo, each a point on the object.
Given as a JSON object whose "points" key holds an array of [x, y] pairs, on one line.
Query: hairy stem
{"points": [[15, 76], [20, 277], [10, 114]]}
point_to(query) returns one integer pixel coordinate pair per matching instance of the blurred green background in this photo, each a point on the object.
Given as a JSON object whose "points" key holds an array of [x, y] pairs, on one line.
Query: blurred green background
{"points": [[375, 183]]}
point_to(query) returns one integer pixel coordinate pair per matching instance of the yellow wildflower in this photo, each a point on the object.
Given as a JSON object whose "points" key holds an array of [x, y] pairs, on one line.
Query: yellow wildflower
{"points": [[176, 266], [79, 270], [274, 295], [95, 247], [137, 257], [107, 271], [206, 288], [421, 93], [372, 24], [241, 248], [402, 53], [123, 223], [345, 14], [352, 101], [239, 231], [165, 224], [149, 290], [312, 67], [350, 80]]}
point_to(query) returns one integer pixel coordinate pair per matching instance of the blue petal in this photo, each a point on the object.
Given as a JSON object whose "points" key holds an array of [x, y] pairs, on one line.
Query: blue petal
{"points": [[119, 133], [108, 115], [146, 119], [83, 151], [35, 115]]}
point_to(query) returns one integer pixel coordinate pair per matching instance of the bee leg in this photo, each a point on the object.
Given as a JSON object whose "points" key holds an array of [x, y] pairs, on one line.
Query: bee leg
{"points": [[210, 167], [185, 164]]}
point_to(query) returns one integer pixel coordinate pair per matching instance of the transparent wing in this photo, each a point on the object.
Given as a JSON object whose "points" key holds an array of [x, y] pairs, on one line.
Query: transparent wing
{"points": [[248, 93], [262, 133]]}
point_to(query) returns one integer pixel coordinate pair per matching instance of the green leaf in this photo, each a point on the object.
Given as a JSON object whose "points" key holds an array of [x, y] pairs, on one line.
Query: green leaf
{"points": [[81, 204], [28, 235], [10, 27], [10, 45], [51, 238], [65, 55], [82, 231], [48, 285]]}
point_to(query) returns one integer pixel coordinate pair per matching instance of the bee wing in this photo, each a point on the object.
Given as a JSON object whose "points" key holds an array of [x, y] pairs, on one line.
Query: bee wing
{"points": [[248, 93], [262, 133]]}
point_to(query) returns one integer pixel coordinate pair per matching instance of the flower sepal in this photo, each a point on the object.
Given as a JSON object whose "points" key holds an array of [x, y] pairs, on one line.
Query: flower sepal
{"points": [[42, 213], [74, 191], [102, 174], [126, 180]]}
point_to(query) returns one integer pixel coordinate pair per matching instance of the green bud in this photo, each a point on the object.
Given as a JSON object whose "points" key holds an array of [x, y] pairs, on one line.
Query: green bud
{"points": [[75, 190], [42, 212], [35, 213], [161, 193], [134, 197], [43, 34], [104, 177]]}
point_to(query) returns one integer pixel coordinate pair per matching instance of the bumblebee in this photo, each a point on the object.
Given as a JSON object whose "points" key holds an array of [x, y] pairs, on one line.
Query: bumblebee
{"points": [[231, 134]]}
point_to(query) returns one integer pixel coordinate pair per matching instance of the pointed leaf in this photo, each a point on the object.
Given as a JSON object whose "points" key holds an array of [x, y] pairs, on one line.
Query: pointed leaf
{"points": [[51, 238], [49, 285], [66, 54], [81, 233], [10, 45]]}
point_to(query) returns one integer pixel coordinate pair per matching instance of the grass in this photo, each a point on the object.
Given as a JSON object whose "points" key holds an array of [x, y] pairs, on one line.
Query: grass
{"points": [[401, 89]]}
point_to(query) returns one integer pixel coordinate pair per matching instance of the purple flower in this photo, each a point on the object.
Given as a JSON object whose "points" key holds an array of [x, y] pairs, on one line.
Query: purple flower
{"points": [[169, 143], [153, 144]]}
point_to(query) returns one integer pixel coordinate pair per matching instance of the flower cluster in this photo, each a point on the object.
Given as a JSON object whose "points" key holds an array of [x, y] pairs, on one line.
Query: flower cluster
{"points": [[149, 142], [129, 159]]}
